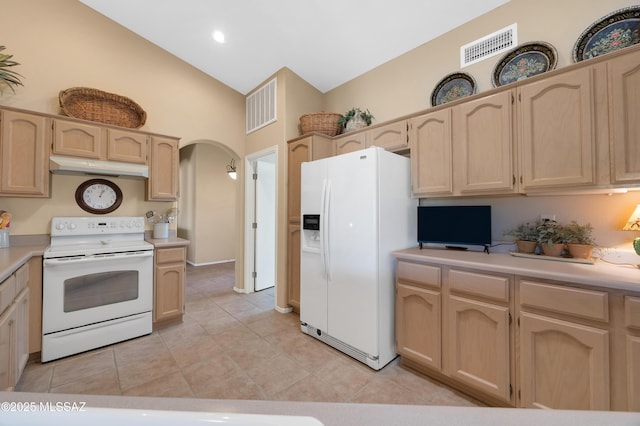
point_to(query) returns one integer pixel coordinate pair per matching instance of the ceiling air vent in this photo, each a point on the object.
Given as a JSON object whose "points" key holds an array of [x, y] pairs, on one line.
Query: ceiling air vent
{"points": [[489, 45], [261, 106]]}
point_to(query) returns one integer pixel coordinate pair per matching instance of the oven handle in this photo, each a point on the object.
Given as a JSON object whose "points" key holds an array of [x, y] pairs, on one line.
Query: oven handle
{"points": [[97, 258]]}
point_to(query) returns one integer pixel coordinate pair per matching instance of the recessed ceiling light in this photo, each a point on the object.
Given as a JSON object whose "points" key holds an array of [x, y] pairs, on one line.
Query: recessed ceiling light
{"points": [[218, 36]]}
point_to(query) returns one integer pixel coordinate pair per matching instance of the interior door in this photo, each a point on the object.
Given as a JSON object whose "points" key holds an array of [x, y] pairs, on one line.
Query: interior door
{"points": [[265, 257]]}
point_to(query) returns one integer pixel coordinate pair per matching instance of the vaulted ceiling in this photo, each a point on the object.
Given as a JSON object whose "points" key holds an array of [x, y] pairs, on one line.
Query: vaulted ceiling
{"points": [[326, 42]]}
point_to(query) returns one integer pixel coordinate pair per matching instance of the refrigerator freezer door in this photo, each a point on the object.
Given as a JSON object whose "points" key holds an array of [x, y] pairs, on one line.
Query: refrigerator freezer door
{"points": [[353, 245], [313, 280]]}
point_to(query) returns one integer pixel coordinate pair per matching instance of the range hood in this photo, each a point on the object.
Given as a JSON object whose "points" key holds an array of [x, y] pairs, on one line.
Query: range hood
{"points": [[82, 166]]}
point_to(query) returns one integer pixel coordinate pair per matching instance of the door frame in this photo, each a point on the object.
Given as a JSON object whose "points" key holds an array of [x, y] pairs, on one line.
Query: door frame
{"points": [[249, 208]]}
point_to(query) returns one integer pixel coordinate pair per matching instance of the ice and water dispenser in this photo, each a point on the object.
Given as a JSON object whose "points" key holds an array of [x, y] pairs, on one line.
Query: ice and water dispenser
{"points": [[311, 232]]}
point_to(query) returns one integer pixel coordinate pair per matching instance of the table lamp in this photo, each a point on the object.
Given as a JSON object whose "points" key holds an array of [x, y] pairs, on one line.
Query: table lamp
{"points": [[633, 224]]}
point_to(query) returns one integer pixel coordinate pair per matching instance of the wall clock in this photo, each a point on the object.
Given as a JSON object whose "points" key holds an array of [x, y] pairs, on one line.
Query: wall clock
{"points": [[98, 196]]}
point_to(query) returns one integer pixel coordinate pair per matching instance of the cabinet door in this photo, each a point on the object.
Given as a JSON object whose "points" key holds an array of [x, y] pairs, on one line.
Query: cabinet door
{"points": [[418, 325], [7, 348], [563, 365], [633, 373], [624, 104], [164, 169], [483, 145], [478, 348], [128, 147], [293, 259], [169, 290], [430, 141], [299, 152], [77, 140], [350, 143], [392, 137], [22, 333], [24, 160], [558, 136]]}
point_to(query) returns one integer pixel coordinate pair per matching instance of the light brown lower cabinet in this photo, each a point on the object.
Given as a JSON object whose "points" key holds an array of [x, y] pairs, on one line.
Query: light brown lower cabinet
{"points": [[293, 260], [563, 364], [417, 305], [14, 327], [419, 301], [632, 350], [511, 340], [169, 285], [479, 342]]}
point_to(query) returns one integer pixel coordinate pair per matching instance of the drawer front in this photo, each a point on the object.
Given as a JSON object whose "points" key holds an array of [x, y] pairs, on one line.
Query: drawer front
{"points": [[491, 286], [632, 312], [419, 273], [7, 292], [170, 255], [578, 302]]}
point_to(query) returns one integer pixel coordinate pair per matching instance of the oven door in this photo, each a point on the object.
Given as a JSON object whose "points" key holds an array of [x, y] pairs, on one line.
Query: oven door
{"points": [[92, 289]]}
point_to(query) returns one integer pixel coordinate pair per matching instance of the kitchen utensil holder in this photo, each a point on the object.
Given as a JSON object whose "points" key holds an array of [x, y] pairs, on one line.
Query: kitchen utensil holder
{"points": [[161, 230]]}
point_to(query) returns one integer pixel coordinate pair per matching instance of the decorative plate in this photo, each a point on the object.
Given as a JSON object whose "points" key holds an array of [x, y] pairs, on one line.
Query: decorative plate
{"points": [[524, 61], [453, 87], [615, 31]]}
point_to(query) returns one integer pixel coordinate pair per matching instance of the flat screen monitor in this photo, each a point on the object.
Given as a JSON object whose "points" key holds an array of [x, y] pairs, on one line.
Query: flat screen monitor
{"points": [[462, 225]]}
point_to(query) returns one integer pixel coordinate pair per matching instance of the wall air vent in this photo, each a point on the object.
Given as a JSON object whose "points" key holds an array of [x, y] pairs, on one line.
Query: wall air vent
{"points": [[490, 45], [261, 106]]}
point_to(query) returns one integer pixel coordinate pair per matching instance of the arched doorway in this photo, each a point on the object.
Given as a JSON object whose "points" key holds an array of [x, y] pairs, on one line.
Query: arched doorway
{"points": [[209, 205]]}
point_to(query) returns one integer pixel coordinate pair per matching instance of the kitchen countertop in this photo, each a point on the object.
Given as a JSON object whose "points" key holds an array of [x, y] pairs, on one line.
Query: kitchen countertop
{"points": [[600, 274], [330, 414], [172, 241], [24, 247], [20, 251]]}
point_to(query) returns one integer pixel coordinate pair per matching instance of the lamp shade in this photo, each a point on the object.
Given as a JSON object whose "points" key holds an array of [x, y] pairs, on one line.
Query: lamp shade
{"points": [[633, 224], [231, 169]]}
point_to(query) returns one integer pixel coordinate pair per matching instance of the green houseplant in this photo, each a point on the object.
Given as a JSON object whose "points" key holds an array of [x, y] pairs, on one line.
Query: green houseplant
{"points": [[525, 235], [579, 239], [355, 119], [8, 77], [552, 237]]}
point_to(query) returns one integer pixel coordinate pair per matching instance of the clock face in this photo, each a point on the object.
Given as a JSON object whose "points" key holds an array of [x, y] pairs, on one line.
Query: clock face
{"points": [[98, 196]]}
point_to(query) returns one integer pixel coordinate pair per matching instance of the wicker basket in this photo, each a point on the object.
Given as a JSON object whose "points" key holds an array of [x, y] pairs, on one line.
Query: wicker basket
{"points": [[95, 105], [321, 122]]}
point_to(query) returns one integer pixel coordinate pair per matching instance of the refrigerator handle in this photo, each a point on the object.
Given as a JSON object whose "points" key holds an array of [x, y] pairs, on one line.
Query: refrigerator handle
{"points": [[326, 209]]}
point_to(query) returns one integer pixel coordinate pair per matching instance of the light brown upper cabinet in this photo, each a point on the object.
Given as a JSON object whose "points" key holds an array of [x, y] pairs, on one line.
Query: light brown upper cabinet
{"points": [[76, 139], [164, 164], [392, 137], [624, 104], [128, 147], [484, 145], [24, 149], [430, 141], [558, 138], [350, 142]]}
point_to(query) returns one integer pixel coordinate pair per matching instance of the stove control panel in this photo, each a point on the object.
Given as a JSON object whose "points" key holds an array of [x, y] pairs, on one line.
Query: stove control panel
{"points": [[61, 226]]}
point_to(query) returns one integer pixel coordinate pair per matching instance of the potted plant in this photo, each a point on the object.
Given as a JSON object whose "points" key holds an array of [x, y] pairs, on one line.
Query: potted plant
{"points": [[355, 119], [8, 77], [526, 236], [551, 237], [579, 239]]}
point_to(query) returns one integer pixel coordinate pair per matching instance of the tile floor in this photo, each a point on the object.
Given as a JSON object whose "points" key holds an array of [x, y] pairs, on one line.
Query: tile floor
{"points": [[233, 346]]}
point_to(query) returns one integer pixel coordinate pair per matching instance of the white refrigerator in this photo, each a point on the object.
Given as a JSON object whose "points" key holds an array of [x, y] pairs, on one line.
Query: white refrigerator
{"points": [[356, 210]]}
